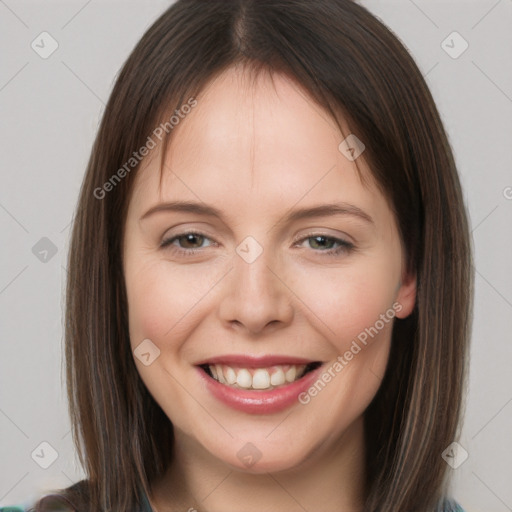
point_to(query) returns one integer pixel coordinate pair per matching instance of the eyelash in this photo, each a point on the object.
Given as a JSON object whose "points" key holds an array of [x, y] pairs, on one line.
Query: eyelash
{"points": [[345, 247]]}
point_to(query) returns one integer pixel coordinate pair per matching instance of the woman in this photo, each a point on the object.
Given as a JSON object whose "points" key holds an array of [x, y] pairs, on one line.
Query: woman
{"points": [[270, 285]]}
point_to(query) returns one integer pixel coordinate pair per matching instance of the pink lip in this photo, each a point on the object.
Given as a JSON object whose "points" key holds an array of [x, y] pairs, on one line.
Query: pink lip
{"points": [[260, 402], [246, 361]]}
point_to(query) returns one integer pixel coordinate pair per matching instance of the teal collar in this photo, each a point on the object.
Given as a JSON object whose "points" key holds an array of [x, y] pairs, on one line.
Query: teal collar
{"points": [[146, 507]]}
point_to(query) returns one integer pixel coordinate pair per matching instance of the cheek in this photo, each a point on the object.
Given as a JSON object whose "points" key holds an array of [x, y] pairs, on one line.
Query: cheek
{"points": [[346, 300], [163, 299], [150, 308]]}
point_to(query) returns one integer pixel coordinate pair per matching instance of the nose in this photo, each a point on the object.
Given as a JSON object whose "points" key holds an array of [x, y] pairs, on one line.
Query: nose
{"points": [[256, 298]]}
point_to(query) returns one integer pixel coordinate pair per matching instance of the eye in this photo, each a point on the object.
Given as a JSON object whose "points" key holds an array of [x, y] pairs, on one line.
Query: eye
{"points": [[191, 243], [187, 243], [325, 243]]}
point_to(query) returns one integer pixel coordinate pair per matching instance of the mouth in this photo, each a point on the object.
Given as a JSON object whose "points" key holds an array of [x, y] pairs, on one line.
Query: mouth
{"points": [[258, 384], [258, 378]]}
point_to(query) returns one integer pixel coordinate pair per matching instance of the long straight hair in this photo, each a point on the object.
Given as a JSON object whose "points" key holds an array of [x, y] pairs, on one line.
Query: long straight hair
{"points": [[358, 71]]}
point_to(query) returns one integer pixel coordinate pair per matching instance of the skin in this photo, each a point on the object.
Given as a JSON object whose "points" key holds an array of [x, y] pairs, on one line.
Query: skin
{"points": [[256, 151]]}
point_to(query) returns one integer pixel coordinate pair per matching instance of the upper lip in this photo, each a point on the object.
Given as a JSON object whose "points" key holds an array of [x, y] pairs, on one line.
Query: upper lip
{"points": [[248, 361]]}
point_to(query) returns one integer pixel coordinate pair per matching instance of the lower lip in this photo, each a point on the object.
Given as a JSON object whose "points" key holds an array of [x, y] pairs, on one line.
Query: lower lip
{"points": [[260, 402]]}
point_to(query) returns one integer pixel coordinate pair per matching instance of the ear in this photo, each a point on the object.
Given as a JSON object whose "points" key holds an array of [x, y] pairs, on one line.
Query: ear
{"points": [[406, 296]]}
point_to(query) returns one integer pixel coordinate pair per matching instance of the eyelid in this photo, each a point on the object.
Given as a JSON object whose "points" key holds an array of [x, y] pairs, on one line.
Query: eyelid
{"points": [[322, 232], [312, 232], [345, 246], [167, 240]]}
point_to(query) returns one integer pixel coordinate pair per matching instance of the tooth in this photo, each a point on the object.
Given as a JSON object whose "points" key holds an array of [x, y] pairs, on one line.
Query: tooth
{"points": [[291, 374], [301, 370], [244, 379], [260, 379], [229, 375], [220, 375], [277, 378]]}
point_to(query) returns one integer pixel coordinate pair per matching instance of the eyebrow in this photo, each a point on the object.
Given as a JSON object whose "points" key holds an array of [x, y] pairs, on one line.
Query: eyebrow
{"points": [[323, 210]]}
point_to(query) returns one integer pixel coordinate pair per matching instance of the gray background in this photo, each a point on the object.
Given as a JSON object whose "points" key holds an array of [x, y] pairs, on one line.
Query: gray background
{"points": [[50, 109]]}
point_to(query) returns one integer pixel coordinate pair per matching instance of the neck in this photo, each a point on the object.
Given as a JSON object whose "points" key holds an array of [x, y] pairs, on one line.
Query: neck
{"points": [[332, 478]]}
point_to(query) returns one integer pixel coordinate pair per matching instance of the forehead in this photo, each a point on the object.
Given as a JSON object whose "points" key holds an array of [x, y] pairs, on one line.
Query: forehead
{"points": [[255, 122], [251, 140]]}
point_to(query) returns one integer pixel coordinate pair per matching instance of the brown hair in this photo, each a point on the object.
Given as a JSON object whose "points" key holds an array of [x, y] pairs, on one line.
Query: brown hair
{"points": [[352, 65]]}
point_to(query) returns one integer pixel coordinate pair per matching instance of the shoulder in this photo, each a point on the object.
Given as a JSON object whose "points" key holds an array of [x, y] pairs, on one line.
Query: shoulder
{"points": [[69, 499], [48, 503], [75, 498], [54, 503]]}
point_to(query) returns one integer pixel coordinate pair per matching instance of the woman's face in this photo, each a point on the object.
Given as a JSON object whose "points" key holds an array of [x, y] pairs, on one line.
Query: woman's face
{"points": [[258, 292]]}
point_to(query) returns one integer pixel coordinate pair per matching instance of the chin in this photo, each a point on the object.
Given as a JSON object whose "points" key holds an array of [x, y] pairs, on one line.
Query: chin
{"points": [[257, 455]]}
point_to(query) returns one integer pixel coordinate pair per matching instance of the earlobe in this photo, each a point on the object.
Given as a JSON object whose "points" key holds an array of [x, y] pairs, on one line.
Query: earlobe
{"points": [[406, 296]]}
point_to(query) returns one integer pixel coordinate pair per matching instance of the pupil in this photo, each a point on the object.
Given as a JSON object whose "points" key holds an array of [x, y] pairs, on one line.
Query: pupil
{"points": [[190, 238], [317, 238]]}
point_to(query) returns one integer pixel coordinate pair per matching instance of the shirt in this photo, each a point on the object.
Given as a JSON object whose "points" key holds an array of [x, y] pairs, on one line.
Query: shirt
{"points": [[451, 506], [146, 507]]}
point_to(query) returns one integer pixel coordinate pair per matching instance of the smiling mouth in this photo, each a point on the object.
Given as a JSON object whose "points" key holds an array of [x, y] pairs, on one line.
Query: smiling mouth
{"points": [[258, 379]]}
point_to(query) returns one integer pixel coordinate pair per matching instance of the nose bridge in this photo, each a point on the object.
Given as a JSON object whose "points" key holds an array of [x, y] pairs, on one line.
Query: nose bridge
{"points": [[256, 295], [252, 267]]}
